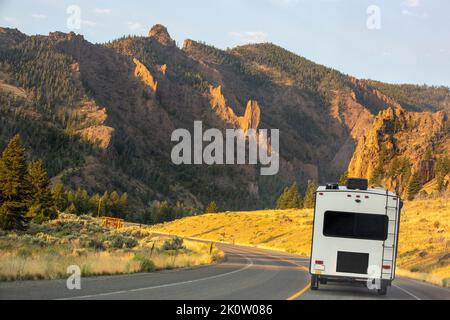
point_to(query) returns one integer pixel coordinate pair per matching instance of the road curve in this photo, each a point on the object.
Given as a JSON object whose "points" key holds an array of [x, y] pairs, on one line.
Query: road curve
{"points": [[247, 274]]}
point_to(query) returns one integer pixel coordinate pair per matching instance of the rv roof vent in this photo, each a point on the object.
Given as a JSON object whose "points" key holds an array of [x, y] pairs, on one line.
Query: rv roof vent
{"points": [[357, 184], [332, 186]]}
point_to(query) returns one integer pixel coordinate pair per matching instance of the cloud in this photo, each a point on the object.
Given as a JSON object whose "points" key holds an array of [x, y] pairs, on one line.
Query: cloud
{"points": [[249, 36], [411, 3], [135, 26], [103, 11], [39, 16]]}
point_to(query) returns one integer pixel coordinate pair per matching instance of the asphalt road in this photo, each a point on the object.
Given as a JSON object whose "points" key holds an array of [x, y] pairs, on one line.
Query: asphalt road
{"points": [[247, 274]]}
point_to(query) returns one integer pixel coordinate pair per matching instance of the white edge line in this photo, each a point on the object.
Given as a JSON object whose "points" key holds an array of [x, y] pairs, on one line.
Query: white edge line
{"points": [[406, 291], [250, 264]]}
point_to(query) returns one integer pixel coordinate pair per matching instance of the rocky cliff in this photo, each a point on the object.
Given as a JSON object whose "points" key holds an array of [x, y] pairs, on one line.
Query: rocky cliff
{"points": [[399, 144]]}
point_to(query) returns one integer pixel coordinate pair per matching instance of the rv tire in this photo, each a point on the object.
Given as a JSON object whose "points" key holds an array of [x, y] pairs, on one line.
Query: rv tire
{"points": [[314, 283], [382, 291]]}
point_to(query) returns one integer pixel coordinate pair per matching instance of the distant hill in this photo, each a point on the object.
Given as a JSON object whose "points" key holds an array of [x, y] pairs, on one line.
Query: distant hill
{"points": [[101, 115]]}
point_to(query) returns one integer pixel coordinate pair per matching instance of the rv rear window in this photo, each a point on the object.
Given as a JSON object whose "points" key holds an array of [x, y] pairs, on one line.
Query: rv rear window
{"points": [[355, 225]]}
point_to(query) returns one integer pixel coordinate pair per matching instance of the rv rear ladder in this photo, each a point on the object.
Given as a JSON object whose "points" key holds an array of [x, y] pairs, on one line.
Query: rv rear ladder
{"points": [[390, 234]]}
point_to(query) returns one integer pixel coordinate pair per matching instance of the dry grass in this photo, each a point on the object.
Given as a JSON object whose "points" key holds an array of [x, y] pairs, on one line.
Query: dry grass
{"points": [[46, 251], [424, 239], [424, 250], [288, 230]]}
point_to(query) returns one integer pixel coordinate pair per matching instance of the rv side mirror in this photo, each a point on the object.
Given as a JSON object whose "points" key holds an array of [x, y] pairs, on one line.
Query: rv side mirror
{"points": [[357, 184]]}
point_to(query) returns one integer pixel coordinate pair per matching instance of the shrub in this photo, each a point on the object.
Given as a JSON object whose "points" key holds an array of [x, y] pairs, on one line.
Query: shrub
{"points": [[96, 244], [446, 283], [173, 244], [146, 265], [415, 269], [130, 242], [118, 241]]}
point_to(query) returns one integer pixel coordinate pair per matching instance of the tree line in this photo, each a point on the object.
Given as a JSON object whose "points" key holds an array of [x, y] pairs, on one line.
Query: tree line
{"points": [[292, 199], [79, 202], [26, 195]]}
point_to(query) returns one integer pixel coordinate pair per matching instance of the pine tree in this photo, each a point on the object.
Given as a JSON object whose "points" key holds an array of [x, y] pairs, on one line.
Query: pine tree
{"points": [[123, 204], [415, 185], [212, 207], [442, 169], [13, 189], [290, 198], [282, 201], [377, 175], [104, 205], [82, 201], [60, 197], [309, 200], [115, 204], [42, 205], [343, 179], [295, 199], [72, 209]]}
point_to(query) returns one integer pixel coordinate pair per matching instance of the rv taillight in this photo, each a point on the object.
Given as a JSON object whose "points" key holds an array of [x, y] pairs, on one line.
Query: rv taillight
{"points": [[321, 194], [387, 267], [320, 262]]}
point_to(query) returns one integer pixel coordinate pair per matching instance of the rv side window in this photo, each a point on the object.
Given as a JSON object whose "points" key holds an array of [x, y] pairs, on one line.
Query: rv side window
{"points": [[355, 225]]}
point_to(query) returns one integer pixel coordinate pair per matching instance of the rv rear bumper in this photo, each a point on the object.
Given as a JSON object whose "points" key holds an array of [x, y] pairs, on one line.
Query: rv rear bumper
{"points": [[346, 279]]}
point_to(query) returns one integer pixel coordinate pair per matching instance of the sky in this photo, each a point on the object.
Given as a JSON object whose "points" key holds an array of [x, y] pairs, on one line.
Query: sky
{"points": [[395, 41]]}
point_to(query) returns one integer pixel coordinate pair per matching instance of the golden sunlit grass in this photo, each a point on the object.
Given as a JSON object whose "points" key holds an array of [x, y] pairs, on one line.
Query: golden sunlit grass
{"points": [[46, 251], [424, 251], [424, 248], [288, 230]]}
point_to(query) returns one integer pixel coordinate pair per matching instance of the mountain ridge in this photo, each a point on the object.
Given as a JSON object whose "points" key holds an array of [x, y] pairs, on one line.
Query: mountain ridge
{"points": [[124, 98]]}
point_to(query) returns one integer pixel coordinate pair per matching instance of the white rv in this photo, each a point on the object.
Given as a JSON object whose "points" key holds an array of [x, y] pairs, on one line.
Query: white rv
{"points": [[355, 235]]}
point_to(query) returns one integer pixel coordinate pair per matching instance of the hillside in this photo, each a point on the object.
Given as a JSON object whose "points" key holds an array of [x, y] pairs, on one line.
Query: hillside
{"points": [[101, 115], [46, 250], [423, 245]]}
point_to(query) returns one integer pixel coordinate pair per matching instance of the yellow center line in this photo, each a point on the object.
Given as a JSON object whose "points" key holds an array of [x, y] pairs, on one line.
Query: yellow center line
{"points": [[305, 289], [301, 292], [300, 267]]}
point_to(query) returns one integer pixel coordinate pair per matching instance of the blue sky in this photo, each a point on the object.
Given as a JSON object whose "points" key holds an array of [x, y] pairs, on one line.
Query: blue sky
{"points": [[411, 45]]}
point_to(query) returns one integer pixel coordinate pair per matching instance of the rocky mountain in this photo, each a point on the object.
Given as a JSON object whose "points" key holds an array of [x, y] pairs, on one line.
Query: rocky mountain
{"points": [[402, 143], [101, 115]]}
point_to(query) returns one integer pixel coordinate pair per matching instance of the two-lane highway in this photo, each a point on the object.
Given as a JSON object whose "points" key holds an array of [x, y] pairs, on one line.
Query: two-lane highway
{"points": [[247, 274]]}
